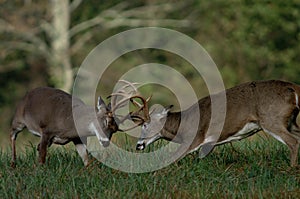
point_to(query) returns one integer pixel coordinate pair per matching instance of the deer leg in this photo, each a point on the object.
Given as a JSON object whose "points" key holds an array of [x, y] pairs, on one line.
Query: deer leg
{"points": [[49, 144], [181, 151], [293, 126], [43, 148], [295, 130], [80, 145], [284, 136], [294, 154], [205, 147], [296, 133], [13, 136]]}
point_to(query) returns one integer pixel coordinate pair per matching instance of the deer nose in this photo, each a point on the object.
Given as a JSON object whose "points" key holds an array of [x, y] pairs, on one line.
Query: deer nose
{"points": [[140, 146], [105, 143]]}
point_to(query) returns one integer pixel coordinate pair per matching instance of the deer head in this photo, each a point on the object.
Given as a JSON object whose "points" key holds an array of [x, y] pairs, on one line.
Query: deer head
{"points": [[106, 121], [151, 128]]}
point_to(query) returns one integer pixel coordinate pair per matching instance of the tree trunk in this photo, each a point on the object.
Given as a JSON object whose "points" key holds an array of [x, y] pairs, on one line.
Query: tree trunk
{"points": [[60, 67]]}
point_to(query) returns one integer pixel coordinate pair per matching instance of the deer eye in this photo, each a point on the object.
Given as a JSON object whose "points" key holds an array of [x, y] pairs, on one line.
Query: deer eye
{"points": [[145, 126]]}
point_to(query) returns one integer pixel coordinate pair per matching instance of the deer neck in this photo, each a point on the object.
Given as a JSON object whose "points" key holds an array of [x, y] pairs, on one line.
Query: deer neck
{"points": [[171, 126]]}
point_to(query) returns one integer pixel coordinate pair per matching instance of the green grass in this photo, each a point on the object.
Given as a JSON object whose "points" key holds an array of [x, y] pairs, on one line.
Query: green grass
{"points": [[256, 168]]}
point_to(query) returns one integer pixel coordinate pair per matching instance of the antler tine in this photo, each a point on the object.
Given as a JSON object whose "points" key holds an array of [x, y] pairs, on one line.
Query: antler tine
{"points": [[137, 104], [129, 115], [143, 107], [126, 95], [132, 127], [127, 84], [119, 104], [114, 97], [131, 95], [143, 118]]}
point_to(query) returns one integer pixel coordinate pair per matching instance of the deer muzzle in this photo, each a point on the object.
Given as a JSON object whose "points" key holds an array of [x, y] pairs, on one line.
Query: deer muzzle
{"points": [[145, 141], [140, 146], [105, 143]]}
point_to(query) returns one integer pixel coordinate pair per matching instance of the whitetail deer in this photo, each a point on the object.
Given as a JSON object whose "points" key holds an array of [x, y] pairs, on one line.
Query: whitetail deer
{"points": [[48, 113], [271, 106]]}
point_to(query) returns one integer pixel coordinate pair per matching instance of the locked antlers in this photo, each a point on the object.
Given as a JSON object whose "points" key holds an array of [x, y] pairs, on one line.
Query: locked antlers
{"points": [[129, 92]]}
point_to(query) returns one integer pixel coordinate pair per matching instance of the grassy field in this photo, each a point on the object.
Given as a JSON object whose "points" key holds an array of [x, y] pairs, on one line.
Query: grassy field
{"points": [[256, 168]]}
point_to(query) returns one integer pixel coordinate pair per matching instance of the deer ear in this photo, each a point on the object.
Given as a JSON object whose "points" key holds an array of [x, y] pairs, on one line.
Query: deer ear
{"points": [[165, 112], [100, 104], [109, 106]]}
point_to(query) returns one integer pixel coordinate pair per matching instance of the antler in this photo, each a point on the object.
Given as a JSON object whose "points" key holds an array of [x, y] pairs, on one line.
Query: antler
{"points": [[130, 96], [122, 93]]}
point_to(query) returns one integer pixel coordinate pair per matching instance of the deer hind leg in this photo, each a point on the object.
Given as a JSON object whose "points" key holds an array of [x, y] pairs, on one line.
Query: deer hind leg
{"points": [[16, 129], [42, 147], [293, 126], [282, 134], [295, 130], [80, 144]]}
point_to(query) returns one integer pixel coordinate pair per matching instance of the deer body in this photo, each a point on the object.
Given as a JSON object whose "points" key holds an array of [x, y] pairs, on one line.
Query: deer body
{"points": [[271, 106], [48, 113]]}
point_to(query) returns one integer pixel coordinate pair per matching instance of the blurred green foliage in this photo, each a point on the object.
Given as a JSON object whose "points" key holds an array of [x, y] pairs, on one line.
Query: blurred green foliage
{"points": [[248, 40]]}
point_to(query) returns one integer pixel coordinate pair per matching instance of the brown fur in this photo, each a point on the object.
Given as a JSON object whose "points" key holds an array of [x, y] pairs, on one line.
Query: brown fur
{"points": [[49, 112], [269, 104]]}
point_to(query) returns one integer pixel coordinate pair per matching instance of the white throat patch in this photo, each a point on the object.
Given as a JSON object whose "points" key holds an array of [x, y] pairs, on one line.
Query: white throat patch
{"points": [[92, 128]]}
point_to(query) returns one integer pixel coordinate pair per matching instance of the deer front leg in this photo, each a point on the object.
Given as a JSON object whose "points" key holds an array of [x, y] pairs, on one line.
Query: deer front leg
{"points": [[13, 148], [180, 152], [13, 137], [283, 135], [80, 145]]}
